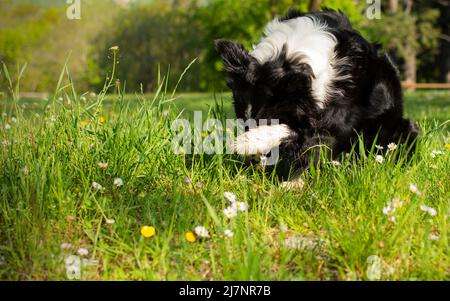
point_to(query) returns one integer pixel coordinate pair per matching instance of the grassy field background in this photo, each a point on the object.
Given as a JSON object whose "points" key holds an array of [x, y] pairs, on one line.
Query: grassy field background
{"points": [[332, 229]]}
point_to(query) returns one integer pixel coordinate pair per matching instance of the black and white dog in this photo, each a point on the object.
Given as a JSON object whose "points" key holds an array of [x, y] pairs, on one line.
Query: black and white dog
{"points": [[324, 83]]}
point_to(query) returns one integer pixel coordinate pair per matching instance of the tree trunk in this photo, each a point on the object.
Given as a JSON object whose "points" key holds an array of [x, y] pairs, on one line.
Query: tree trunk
{"points": [[314, 5], [393, 6], [444, 8], [410, 66]]}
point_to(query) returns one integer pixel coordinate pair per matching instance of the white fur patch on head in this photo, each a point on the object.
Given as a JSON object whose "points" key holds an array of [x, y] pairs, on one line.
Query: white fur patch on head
{"points": [[262, 139], [304, 37]]}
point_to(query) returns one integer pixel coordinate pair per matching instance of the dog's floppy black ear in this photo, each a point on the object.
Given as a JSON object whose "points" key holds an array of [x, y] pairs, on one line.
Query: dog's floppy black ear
{"points": [[236, 59]]}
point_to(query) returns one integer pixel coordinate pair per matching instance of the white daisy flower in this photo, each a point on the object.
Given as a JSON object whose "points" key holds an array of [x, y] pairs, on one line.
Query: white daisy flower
{"points": [[413, 188], [83, 252], [241, 206], [392, 146], [335, 163], [230, 212], [397, 203], [436, 153], [379, 159], [389, 209], [201, 231], [230, 196], [97, 186], [228, 233], [103, 165], [433, 236], [118, 182], [379, 147], [66, 246]]}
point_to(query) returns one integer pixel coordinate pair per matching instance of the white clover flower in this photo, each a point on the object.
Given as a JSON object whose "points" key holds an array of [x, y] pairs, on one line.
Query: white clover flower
{"points": [[73, 271], [201, 231], [103, 165], [335, 163], [118, 182], [230, 212], [53, 119], [392, 146], [97, 186], [379, 147], [14, 119], [413, 188], [379, 159], [228, 233], [83, 252], [230, 196], [7, 126], [241, 206]]}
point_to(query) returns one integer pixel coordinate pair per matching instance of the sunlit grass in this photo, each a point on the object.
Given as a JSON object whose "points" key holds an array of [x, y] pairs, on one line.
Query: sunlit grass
{"points": [[143, 226]]}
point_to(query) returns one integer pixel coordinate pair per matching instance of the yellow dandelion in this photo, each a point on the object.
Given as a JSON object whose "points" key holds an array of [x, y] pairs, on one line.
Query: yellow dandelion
{"points": [[447, 146], [148, 231], [190, 237], [101, 119], [84, 123]]}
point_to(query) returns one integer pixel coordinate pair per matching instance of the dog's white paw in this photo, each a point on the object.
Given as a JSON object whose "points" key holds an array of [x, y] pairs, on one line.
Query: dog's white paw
{"points": [[261, 140], [296, 185]]}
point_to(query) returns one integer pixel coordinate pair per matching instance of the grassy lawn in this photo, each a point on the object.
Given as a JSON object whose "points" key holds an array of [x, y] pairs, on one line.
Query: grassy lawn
{"points": [[334, 228]]}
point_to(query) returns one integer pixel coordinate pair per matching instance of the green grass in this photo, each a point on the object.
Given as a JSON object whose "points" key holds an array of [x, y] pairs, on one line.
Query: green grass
{"points": [[327, 230]]}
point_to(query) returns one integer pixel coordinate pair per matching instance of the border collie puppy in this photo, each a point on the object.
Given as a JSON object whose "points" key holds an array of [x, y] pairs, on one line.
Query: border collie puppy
{"points": [[325, 84]]}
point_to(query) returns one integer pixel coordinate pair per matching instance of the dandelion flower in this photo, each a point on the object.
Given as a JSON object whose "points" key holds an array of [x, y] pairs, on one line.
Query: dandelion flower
{"points": [[230, 196], [201, 231], [84, 123], [228, 233], [447, 146], [103, 165], [101, 119], [83, 252], [379, 159], [241, 206], [97, 186], [148, 231], [392, 146], [190, 237], [230, 212], [413, 188], [118, 182]]}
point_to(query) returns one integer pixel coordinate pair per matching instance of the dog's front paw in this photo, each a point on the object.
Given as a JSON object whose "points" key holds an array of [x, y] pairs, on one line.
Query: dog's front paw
{"points": [[261, 140], [295, 185]]}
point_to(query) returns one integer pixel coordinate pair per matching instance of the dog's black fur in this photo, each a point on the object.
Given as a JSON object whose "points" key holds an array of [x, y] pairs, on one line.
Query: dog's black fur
{"points": [[370, 103]]}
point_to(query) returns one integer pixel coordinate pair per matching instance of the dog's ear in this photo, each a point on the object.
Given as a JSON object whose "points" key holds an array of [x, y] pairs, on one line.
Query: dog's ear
{"points": [[236, 59]]}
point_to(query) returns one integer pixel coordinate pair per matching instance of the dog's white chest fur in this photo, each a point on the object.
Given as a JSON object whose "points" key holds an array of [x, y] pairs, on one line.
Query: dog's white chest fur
{"points": [[304, 36]]}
